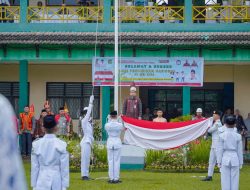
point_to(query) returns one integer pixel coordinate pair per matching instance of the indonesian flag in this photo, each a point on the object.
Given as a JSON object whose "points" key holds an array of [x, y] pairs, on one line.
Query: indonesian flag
{"points": [[32, 109], [160, 136]]}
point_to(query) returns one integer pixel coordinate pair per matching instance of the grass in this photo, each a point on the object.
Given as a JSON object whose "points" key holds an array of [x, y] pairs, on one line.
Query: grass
{"points": [[144, 180]]}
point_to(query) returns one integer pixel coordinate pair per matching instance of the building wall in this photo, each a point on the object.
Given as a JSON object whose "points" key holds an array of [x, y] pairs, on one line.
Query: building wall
{"points": [[219, 73], [242, 89], [40, 74]]}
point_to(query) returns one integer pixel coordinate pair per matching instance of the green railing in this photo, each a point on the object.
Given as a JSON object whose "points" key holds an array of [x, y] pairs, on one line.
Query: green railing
{"points": [[127, 14], [9, 14]]}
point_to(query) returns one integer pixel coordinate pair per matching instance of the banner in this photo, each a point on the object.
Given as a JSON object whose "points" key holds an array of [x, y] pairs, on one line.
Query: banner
{"points": [[161, 136], [149, 71]]}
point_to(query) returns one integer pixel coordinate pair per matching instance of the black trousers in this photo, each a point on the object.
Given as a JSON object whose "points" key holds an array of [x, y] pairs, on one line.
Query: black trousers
{"points": [[26, 144]]}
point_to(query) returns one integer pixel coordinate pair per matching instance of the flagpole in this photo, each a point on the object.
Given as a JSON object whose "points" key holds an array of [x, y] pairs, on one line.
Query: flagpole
{"points": [[116, 86]]}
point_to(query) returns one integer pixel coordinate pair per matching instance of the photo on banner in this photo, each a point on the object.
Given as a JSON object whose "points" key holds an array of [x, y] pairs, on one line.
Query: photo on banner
{"points": [[149, 71]]}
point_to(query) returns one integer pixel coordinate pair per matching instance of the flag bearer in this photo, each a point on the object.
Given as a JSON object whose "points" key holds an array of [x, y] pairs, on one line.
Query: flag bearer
{"points": [[114, 145], [49, 160], [214, 131], [230, 156], [87, 140]]}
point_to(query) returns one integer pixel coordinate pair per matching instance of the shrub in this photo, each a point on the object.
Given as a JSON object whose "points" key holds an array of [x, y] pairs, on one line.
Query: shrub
{"points": [[160, 158], [98, 156], [182, 118], [199, 152]]}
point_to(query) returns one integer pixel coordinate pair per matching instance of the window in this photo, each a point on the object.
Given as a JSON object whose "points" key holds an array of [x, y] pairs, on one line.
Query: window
{"points": [[208, 100], [74, 95], [11, 91], [168, 100]]}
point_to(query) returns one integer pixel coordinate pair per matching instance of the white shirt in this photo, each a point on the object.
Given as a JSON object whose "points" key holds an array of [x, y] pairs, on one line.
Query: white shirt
{"points": [[215, 131], [230, 151], [114, 129], [49, 163], [87, 127]]}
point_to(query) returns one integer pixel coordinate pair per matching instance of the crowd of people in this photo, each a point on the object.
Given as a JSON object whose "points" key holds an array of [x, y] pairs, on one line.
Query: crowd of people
{"points": [[29, 128], [49, 154]]}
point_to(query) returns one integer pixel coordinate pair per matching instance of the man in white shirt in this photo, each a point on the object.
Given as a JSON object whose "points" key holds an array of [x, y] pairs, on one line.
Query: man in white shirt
{"points": [[87, 140], [214, 131]]}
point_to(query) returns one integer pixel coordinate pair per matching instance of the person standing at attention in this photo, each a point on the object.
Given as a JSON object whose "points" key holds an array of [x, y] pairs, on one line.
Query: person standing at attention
{"points": [[230, 156], [114, 145], [132, 106], [27, 124], [49, 160]]}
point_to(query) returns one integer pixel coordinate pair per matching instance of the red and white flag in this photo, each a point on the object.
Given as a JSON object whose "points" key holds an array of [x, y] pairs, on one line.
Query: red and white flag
{"points": [[161, 136]]}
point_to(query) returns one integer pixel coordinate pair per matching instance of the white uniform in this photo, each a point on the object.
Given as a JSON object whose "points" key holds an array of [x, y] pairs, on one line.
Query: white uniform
{"points": [[49, 164], [230, 157], [86, 141], [114, 145], [215, 130]]}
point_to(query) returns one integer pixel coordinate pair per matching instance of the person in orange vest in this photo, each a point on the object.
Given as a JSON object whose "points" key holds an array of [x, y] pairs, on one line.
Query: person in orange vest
{"points": [[27, 123]]}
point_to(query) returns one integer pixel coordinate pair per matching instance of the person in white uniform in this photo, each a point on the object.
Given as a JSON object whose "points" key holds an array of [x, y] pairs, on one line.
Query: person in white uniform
{"points": [[11, 165], [87, 140], [114, 145], [49, 160], [230, 156], [214, 131]]}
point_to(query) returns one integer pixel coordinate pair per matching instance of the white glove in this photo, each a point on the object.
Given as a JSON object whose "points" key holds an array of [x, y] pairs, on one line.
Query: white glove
{"points": [[240, 166], [91, 100], [205, 137]]}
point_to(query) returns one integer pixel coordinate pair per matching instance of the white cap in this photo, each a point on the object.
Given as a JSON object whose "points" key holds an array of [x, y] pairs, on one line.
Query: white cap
{"points": [[86, 108], [199, 110], [132, 89]]}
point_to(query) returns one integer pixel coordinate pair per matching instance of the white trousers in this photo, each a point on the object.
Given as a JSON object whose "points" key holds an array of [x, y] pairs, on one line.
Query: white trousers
{"points": [[85, 158], [212, 162], [114, 159], [230, 177]]}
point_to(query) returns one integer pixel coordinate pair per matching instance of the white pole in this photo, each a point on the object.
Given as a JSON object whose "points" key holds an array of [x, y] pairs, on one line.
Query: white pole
{"points": [[116, 86]]}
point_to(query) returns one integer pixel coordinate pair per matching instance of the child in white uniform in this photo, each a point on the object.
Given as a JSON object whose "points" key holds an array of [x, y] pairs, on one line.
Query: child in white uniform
{"points": [[114, 145], [49, 160], [230, 156]]}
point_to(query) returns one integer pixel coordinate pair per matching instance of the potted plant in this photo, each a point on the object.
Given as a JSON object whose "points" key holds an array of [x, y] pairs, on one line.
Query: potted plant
{"points": [[150, 3], [129, 2]]}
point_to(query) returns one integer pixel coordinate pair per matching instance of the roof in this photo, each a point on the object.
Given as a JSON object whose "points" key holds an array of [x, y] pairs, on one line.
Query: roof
{"points": [[129, 38]]}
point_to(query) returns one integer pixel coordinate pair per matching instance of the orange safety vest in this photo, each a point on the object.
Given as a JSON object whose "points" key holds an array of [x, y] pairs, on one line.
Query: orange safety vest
{"points": [[26, 119]]}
